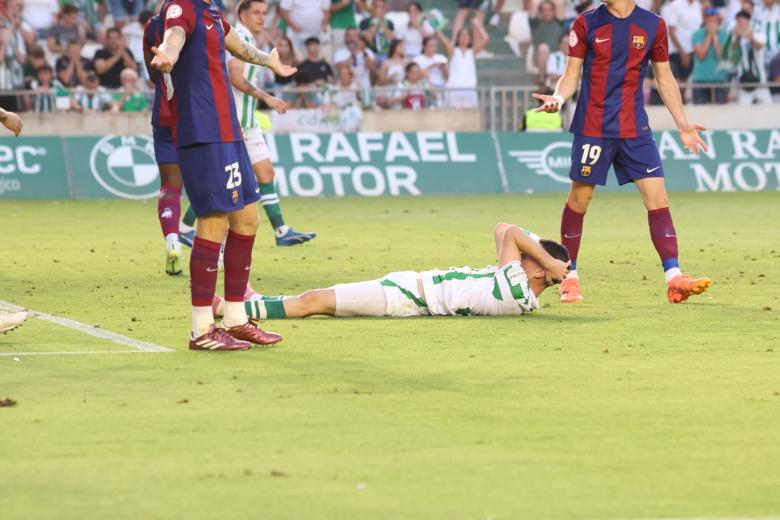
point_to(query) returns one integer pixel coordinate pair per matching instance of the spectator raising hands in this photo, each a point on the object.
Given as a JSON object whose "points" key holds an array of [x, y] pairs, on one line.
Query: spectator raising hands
{"points": [[462, 80], [112, 59], [378, 31], [433, 65], [71, 68]]}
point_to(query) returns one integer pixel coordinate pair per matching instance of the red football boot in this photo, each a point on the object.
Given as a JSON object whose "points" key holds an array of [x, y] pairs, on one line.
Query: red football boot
{"points": [[250, 332], [218, 339], [682, 286], [570, 291]]}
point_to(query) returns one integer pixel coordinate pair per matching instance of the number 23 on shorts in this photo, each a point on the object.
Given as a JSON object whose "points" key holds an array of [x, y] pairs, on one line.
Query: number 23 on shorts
{"points": [[234, 176]]}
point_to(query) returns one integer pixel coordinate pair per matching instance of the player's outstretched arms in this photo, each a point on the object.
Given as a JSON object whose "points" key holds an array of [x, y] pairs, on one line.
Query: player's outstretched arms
{"points": [[167, 54], [249, 53], [11, 121], [564, 88], [517, 243], [670, 94]]}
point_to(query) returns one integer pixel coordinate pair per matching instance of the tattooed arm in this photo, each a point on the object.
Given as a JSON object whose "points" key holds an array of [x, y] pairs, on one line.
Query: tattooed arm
{"points": [[249, 53], [167, 54]]}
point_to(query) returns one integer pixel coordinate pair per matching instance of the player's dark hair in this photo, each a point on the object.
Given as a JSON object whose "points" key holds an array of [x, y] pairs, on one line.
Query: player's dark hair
{"points": [[743, 14], [393, 46], [144, 16], [410, 66], [555, 250], [246, 4], [114, 30]]}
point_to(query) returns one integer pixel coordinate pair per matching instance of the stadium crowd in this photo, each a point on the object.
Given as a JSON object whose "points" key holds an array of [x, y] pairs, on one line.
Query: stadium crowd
{"points": [[86, 55]]}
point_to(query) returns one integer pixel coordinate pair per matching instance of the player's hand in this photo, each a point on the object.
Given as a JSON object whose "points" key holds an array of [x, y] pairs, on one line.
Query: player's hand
{"points": [[277, 104], [556, 270], [12, 121], [691, 140], [550, 104], [161, 61], [275, 64]]}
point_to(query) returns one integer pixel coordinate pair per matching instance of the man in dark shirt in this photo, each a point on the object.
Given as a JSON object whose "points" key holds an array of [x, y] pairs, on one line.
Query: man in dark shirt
{"points": [[71, 68], [319, 70], [112, 59]]}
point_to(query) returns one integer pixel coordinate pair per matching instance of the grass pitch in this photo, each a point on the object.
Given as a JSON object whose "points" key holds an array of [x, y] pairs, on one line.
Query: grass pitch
{"points": [[622, 407]]}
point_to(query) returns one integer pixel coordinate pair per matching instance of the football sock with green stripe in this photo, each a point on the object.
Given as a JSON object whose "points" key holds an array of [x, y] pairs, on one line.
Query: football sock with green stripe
{"points": [[266, 309], [270, 202]]}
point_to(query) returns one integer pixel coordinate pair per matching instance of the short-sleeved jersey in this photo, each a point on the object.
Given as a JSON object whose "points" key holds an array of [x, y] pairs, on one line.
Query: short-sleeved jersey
{"points": [[205, 109], [490, 291], [617, 52], [246, 104], [164, 103]]}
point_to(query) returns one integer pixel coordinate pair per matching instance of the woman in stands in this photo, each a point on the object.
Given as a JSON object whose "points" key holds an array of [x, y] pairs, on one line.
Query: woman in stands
{"points": [[463, 67]]}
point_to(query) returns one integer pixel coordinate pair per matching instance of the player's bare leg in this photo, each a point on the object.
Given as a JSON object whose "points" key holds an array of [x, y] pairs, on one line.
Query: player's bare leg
{"points": [[580, 195], [679, 286], [269, 199], [168, 213], [317, 302], [238, 262]]}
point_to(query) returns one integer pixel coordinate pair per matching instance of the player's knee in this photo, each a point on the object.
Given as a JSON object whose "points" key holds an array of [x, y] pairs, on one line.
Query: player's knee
{"points": [[310, 301], [579, 200], [658, 201], [501, 228]]}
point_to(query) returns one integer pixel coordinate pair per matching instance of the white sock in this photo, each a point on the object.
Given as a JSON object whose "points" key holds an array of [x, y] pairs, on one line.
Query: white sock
{"points": [[184, 228], [202, 320], [235, 314], [671, 273], [171, 241], [282, 230], [573, 274]]}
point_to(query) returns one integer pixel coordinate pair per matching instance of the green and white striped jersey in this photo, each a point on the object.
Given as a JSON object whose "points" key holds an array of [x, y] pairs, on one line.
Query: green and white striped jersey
{"points": [[766, 23], [246, 104]]}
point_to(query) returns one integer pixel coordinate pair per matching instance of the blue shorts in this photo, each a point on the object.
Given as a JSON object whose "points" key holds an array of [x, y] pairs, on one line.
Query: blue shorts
{"points": [[633, 158], [218, 176], [164, 147]]}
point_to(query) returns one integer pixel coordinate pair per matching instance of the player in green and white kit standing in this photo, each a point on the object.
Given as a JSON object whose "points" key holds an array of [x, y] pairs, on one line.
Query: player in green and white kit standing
{"points": [[527, 266], [243, 77]]}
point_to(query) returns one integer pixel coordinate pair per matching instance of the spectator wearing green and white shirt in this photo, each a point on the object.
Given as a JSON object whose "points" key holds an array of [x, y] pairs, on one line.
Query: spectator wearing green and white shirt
{"points": [[744, 49], [342, 17], [707, 47], [13, 55], [92, 97], [378, 31], [556, 63], [131, 98], [766, 21]]}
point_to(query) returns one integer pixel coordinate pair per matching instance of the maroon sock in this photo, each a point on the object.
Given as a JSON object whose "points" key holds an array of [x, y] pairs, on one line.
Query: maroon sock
{"points": [[169, 209], [203, 271], [664, 236], [238, 260], [571, 232]]}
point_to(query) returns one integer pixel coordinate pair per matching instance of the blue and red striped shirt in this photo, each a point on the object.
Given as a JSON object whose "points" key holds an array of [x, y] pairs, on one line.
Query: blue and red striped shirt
{"points": [[617, 52], [205, 109], [163, 107]]}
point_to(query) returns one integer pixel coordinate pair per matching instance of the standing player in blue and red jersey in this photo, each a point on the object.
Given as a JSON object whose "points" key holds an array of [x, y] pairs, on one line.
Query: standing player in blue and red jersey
{"points": [[169, 201], [213, 160], [611, 48]]}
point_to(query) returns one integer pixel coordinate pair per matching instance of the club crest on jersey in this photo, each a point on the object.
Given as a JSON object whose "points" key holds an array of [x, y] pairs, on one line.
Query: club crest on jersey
{"points": [[585, 171], [174, 11], [235, 196], [638, 41], [573, 40]]}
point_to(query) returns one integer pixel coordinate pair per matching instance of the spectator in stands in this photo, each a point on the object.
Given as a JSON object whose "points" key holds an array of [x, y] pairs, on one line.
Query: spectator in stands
{"points": [[392, 70], [15, 20], [682, 17], [71, 67], [124, 11], [358, 56], [464, 8], [556, 63], [318, 69], [378, 31], [546, 31], [707, 48], [307, 97], [92, 97], [347, 94], [133, 33], [13, 55], [417, 89], [112, 59], [304, 18], [36, 59], [40, 14], [65, 30], [774, 76], [766, 21], [416, 31], [287, 57], [91, 14], [132, 98], [463, 66], [744, 50], [433, 65], [43, 86], [342, 18]]}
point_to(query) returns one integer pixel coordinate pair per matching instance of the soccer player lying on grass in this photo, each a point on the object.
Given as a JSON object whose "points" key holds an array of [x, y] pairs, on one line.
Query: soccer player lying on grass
{"points": [[527, 266]]}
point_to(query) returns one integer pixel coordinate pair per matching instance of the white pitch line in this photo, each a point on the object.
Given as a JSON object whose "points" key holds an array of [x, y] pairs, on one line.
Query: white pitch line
{"points": [[138, 345], [713, 518]]}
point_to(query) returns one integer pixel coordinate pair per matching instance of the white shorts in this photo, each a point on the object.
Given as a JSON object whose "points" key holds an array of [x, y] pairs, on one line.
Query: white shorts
{"points": [[395, 294], [256, 146]]}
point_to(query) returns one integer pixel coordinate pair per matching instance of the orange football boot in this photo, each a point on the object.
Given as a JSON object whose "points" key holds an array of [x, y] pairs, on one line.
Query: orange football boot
{"points": [[682, 286], [570, 291]]}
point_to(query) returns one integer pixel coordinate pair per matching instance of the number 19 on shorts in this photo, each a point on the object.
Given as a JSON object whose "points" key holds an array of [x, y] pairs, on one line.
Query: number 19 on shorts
{"points": [[590, 153]]}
